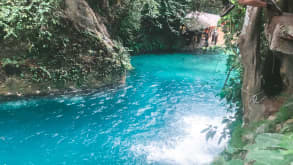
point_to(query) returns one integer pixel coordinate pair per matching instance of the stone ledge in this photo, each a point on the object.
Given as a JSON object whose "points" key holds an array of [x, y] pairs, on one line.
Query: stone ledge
{"points": [[280, 34]]}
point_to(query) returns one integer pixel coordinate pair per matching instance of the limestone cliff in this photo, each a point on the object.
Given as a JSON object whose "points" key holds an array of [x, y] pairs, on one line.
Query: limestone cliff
{"points": [[265, 138], [268, 77], [77, 53]]}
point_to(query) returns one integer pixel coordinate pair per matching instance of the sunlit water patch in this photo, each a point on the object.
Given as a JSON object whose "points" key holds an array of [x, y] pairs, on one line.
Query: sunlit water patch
{"points": [[155, 118]]}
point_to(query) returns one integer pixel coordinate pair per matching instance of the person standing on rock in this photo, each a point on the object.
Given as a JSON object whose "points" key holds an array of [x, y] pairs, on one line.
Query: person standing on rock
{"points": [[215, 37], [269, 4]]}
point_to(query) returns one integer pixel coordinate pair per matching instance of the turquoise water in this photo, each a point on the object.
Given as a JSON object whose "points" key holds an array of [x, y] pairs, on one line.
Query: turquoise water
{"points": [[155, 118]]}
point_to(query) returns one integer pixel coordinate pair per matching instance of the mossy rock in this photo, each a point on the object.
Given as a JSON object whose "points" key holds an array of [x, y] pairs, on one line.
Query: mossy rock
{"points": [[222, 161], [286, 112], [271, 149]]}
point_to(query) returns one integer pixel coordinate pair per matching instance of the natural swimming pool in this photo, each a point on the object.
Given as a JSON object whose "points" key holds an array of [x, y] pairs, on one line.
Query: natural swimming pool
{"points": [[155, 118]]}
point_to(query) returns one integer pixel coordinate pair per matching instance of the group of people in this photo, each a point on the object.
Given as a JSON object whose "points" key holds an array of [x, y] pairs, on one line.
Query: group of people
{"points": [[200, 37], [211, 33], [195, 37]]}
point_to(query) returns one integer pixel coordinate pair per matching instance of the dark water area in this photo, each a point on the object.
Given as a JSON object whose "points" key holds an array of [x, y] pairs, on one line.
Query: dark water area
{"points": [[155, 118]]}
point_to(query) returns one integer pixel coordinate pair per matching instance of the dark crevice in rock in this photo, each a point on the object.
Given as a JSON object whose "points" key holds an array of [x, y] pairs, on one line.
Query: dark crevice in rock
{"points": [[272, 81]]}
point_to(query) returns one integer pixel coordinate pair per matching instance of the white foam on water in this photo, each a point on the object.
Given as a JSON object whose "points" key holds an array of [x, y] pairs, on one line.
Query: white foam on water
{"points": [[191, 148]]}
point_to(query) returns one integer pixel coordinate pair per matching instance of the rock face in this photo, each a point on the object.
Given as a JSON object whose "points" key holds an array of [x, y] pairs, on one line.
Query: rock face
{"points": [[85, 19], [82, 56], [280, 34], [249, 44], [268, 79]]}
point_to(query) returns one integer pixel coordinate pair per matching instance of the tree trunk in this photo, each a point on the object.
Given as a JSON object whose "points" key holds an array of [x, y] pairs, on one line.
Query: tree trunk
{"points": [[105, 4], [249, 43]]}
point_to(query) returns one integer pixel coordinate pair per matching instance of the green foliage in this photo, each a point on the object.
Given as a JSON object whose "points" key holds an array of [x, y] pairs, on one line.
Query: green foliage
{"points": [[236, 137], [232, 28], [53, 50], [40, 74], [210, 6], [8, 61], [149, 25], [221, 161], [232, 87], [267, 147], [271, 149], [28, 20], [285, 112], [210, 132], [231, 91]]}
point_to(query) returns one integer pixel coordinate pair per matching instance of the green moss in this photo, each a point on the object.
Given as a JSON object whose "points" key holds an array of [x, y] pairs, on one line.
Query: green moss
{"points": [[236, 138], [270, 149], [44, 50], [222, 161], [265, 147], [285, 113], [252, 127]]}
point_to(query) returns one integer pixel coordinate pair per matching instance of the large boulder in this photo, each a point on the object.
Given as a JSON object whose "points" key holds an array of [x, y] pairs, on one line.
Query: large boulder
{"points": [[280, 34], [85, 19]]}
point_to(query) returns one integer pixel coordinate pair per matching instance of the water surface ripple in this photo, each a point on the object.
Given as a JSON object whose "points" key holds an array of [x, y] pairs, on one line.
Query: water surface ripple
{"points": [[155, 118]]}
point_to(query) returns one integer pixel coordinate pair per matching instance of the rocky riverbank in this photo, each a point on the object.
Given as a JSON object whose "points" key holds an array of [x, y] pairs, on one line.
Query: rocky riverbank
{"points": [[76, 52]]}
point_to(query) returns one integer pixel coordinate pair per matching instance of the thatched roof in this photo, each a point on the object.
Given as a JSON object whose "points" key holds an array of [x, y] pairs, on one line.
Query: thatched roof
{"points": [[199, 20]]}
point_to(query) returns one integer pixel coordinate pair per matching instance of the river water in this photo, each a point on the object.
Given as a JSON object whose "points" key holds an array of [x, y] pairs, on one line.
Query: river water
{"points": [[155, 118]]}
